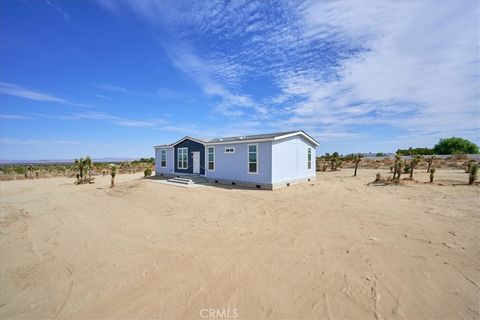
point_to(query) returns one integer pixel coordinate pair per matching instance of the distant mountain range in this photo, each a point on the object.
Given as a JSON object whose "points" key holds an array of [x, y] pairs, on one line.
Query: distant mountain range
{"points": [[65, 161]]}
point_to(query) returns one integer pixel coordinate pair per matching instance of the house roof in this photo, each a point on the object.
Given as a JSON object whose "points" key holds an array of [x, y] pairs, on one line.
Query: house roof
{"points": [[255, 137], [264, 137]]}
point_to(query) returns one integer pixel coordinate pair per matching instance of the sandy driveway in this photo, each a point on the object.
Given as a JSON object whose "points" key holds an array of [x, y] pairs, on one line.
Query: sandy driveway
{"points": [[333, 248]]}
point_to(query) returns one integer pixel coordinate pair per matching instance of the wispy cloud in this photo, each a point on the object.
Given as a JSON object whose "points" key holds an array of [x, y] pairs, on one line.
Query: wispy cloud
{"points": [[335, 67], [205, 74], [11, 89], [102, 96], [36, 142], [416, 72], [99, 116], [13, 117], [59, 10], [111, 88]]}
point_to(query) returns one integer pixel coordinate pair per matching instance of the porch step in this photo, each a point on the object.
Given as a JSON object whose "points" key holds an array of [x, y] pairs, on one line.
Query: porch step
{"points": [[188, 180], [181, 181]]}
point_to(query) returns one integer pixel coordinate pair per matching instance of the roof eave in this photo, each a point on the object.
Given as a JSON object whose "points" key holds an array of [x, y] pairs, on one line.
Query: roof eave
{"points": [[302, 133], [189, 138], [238, 141]]}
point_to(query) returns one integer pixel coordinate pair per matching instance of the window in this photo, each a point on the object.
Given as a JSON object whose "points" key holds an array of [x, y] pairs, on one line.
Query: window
{"points": [[182, 158], [252, 158], [163, 158], [309, 158], [229, 150], [211, 158]]}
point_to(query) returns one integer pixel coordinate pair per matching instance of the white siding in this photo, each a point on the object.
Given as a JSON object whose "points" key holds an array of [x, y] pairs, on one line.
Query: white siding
{"points": [[169, 168], [234, 166], [290, 159]]}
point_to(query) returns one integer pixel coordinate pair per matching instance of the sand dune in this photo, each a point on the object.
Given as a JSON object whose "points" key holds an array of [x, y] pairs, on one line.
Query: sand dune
{"points": [[333, 249]]}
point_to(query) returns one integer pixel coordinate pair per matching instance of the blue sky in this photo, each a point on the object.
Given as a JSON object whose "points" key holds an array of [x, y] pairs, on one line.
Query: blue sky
{"points": [[113, 78]]}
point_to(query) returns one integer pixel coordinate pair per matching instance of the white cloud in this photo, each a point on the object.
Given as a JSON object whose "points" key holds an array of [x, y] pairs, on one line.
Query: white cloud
{"points": [[11, 89], [13, 117], [35, 141], [422, 54], [99, 116], [204, 74], [111, 88], [102, 96], [59, 10], [340, 66], [121, 121]]}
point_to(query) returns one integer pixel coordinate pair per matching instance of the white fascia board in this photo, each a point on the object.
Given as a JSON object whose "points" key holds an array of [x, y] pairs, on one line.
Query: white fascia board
{"points": [[300, 133], [189, 138], [237, 141]]}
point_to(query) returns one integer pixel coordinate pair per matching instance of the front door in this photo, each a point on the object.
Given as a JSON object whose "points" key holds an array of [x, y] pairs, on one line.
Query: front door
{"points": [[196, 161]]}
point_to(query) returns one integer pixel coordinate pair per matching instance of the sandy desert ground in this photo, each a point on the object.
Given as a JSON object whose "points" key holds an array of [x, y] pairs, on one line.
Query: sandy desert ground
{"points": [[330, 249]]}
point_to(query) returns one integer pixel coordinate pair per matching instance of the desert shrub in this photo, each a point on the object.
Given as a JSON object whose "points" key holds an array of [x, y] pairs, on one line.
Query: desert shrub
{"points": [[473, 173], [415, 151], [147, 172], [469, 164], [113, 173], [432, 173]]}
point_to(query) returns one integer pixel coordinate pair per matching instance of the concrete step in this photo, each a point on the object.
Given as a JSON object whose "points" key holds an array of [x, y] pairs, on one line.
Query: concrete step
{"points": [[193, 178], [188, 180], [181, 181]]}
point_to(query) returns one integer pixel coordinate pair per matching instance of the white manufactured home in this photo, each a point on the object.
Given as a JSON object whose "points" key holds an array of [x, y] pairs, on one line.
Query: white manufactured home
{"points": [[266, 161]]}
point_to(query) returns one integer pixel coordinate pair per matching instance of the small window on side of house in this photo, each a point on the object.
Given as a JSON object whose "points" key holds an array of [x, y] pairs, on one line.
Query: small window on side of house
{"points": [[163, 158], [211, 158], [309, 158], [252, 158]]}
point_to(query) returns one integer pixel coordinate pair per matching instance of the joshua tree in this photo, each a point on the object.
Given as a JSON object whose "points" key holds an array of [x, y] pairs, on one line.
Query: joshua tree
{"points": [[395, 165], [430, 161], [406, 167], [113, 173], [335, 161], [125, 165], [399, 170], [413, 163], [338, 163], [432, 172], [79, 165], [473, 173], [87, 162], [84, 168], [357, 158], [30, 170]]}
